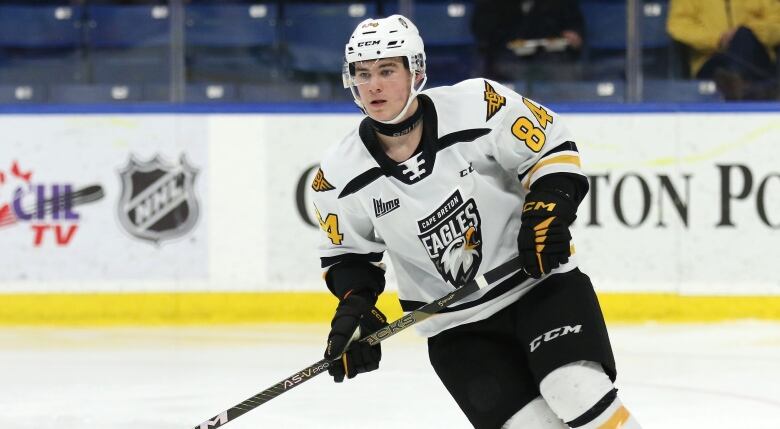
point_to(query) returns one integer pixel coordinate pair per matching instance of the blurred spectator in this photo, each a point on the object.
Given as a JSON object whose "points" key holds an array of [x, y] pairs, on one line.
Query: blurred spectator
{"points": [[730, 42], [549, 31]]}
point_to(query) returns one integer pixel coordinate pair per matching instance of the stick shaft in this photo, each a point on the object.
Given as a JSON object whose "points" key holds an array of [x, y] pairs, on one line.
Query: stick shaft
{"points": [[388, 331]]}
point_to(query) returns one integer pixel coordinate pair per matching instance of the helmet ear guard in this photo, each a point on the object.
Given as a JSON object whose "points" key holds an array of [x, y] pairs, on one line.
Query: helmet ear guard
{"points": [[374, 39]]}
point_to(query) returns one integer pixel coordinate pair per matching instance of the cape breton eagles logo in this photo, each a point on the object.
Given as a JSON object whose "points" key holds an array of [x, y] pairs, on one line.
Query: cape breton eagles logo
{"points": [[158, 199], [453, 239]]}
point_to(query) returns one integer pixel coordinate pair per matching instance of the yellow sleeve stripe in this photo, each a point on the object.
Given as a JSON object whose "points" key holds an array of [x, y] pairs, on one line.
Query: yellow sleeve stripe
{"points": [[557, 159]]}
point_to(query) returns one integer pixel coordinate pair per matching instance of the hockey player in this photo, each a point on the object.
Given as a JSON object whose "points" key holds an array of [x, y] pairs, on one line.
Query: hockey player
{"points": [[451, 182]]}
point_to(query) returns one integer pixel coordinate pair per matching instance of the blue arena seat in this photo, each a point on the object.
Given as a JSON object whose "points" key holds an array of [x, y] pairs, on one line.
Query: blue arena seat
{"points": [[34, 67], [72, 94], [606, 41], [209, 93], [286, 92], [232, 43], [595, 91], [232, 65], [39, 44], [605, 24], [194, 93], [654, 16], [22, 94], [314, 34], [128, 26], [128, 44], [680, 91], [129, 66], [40, 26], [231, 25], [341, 94]]}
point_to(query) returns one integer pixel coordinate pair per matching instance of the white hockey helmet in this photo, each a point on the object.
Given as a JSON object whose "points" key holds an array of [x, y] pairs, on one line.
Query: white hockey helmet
{"points": [[373, 39]]}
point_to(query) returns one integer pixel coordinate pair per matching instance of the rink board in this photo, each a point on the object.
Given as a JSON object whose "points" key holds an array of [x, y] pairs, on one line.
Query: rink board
{"points": [[681, 222], [318, 307]]}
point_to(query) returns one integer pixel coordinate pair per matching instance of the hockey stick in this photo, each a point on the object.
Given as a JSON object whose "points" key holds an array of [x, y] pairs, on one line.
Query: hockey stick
{"points": [[388, 331], [84, 195]]}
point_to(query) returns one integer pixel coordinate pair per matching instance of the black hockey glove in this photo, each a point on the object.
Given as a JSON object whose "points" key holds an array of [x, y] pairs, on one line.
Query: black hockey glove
{"points": [[544, 239], [356, 316]]}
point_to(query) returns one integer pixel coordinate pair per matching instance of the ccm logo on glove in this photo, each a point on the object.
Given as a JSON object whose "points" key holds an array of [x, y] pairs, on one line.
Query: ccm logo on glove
{"points": [[544, 240]]}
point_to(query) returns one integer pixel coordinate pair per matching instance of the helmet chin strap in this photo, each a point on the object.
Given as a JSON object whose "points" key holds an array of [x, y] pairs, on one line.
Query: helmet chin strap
{"points": [[401, 128], [412, 95]]}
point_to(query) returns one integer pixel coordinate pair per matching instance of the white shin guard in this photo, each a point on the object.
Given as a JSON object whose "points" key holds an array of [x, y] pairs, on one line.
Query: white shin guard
{"points": [[537, 415], [582, 395]]}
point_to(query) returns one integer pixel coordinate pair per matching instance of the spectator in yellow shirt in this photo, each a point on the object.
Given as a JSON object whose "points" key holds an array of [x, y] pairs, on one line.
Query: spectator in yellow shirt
{"points": [[731, 42]]}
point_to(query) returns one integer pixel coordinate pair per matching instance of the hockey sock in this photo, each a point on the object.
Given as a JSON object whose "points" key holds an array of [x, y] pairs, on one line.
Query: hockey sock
{"points": [[536, 414], [615, 416], [583, 396]]}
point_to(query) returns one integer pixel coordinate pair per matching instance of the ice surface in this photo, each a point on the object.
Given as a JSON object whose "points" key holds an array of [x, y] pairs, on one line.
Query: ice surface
{"points": [[713, 376]]}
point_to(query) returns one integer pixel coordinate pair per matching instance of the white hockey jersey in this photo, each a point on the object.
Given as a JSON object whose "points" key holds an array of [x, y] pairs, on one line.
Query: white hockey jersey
{"points": [[452, 210]]}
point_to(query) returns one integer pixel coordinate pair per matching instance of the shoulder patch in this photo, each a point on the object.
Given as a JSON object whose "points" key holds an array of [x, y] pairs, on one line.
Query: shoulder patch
{"points": [[494, 101], [319, 184]]}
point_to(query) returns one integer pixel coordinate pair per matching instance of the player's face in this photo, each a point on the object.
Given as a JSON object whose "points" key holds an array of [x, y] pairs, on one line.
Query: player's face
{"points": [[383, 86]]}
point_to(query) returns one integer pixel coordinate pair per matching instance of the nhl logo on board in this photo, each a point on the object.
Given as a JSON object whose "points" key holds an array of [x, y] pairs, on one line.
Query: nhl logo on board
{"points": [[158, 199]]}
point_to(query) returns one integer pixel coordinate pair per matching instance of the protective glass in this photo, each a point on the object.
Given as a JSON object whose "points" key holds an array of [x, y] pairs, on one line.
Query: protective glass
{"points": [[382, 70]]}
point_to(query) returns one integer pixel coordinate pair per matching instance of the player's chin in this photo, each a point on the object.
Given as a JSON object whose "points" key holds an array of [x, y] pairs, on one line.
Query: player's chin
{"points": [[381, 113], [378, 116]]}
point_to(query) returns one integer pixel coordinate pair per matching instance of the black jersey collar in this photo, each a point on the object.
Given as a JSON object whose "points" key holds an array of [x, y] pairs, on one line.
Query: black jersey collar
{"points": [[420, 164], [425, 154], [402, 128]]}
